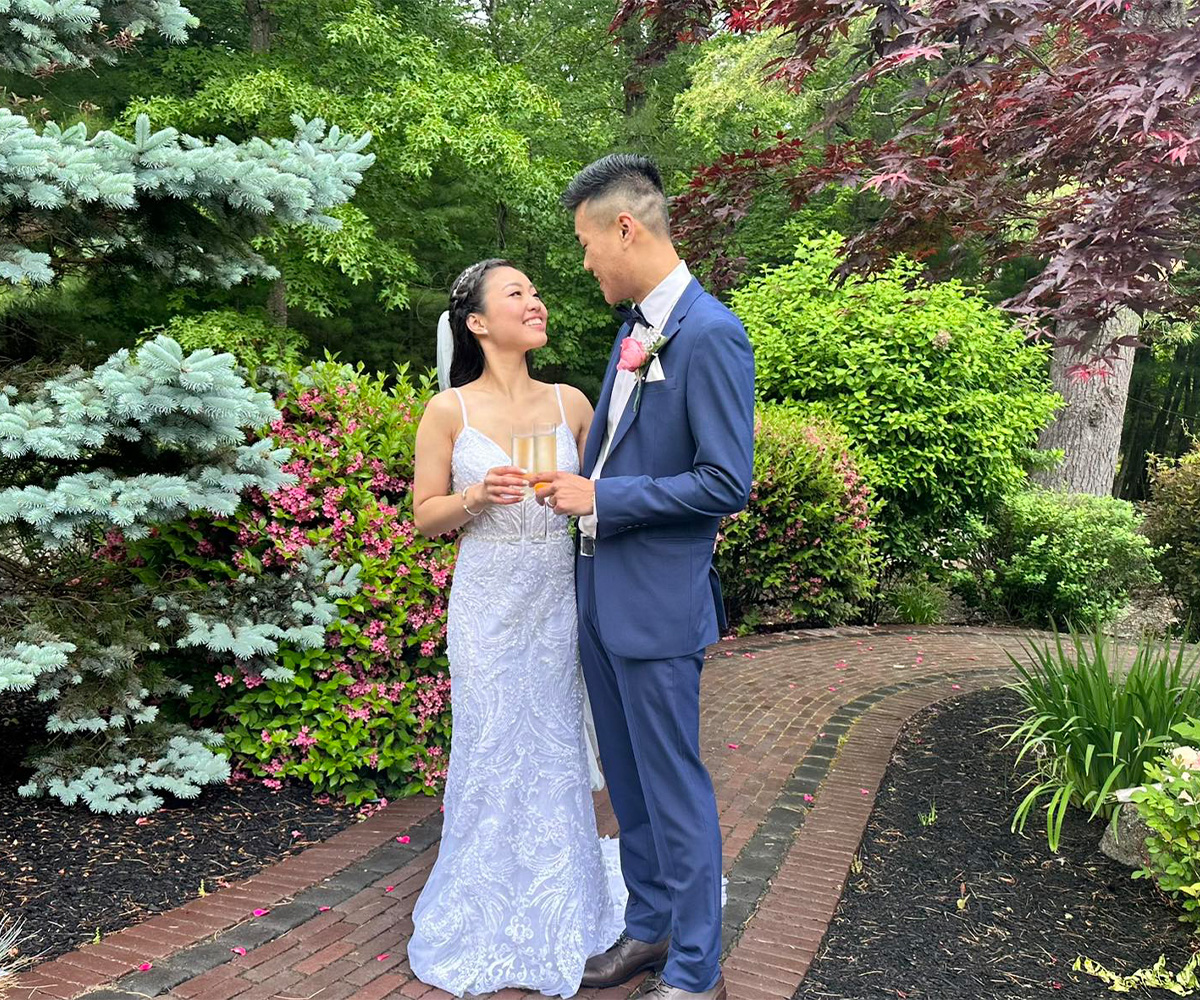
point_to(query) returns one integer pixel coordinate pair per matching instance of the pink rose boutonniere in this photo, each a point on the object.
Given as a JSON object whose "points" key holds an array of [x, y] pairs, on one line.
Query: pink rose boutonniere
{"points": [[636, 358]]}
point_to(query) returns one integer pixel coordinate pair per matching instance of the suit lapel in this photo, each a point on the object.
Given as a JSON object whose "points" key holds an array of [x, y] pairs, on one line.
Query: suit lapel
{"points": [[690, 294], [591, 451]]}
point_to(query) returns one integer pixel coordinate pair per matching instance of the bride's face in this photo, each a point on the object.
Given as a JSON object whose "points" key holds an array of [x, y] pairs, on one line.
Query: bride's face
{"points": [[513, 316]]}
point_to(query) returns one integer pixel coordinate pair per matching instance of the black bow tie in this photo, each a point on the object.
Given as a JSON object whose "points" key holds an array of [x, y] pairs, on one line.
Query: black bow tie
{"points": [[632, 315]]}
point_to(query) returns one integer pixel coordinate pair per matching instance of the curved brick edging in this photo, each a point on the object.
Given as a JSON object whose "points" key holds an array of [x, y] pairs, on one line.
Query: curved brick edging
{"points": [[755, 870], [781, 939], [193, 933], [785, 716]]}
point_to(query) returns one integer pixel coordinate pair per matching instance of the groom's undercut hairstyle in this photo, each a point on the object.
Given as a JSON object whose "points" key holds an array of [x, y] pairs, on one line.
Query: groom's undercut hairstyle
{"points": [[622, 182]]}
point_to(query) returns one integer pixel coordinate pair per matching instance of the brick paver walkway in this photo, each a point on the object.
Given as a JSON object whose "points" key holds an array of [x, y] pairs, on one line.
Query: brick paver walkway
{"points": [[797, 731]]}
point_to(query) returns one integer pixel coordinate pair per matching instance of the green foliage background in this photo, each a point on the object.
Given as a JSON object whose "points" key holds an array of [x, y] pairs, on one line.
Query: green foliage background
{"points": [[934, 385], [480, 114]]}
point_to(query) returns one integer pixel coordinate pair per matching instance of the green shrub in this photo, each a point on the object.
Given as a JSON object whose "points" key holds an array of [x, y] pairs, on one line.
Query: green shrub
{"points": [[917, 601], [1173, 525], [245, 333], [804, 548], [937, 390], [366, 714], [1169, 804], [1094, 719], [1047, 557]]}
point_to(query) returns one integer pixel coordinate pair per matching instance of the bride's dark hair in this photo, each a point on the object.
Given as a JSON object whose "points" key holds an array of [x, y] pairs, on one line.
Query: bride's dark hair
{"points": [[466, 297]]}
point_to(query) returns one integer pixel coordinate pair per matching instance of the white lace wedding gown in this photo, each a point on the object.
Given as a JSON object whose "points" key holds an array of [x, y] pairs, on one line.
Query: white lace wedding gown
{"points": [[523, 891]]}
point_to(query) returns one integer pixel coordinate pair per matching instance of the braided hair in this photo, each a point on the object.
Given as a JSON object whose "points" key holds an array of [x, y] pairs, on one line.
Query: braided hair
{"points": [[466, 297]]}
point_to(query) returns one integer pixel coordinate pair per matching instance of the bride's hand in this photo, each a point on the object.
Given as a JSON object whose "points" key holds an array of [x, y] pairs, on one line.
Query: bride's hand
{"points": [[500, 487]]}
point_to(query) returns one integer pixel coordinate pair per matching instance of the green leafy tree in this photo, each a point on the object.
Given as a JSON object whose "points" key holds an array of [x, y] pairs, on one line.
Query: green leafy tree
{"points": [[452, 138]]}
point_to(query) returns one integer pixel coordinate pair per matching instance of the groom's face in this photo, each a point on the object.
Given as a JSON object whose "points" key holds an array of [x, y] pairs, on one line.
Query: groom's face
{"points": [[605, 244]]}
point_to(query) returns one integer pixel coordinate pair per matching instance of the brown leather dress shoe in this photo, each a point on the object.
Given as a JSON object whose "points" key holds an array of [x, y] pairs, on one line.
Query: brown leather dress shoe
{"points": [[623, 961], [665, 991]]}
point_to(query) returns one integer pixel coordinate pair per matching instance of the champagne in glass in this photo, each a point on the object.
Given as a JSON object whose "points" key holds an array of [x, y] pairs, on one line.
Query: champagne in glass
{"points": [[523, 459], [523, 452], [545, 449], [545, 460]]}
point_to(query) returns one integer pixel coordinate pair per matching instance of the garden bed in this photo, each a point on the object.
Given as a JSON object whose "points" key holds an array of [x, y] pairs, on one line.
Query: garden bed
{"points": [[900, 930], [67, 872]]}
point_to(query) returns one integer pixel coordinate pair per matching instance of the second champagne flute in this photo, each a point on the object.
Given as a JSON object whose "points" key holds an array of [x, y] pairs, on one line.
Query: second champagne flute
{"points": [[545, 461]]}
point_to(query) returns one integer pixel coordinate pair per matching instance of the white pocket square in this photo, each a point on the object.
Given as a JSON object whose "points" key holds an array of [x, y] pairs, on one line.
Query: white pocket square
{"points": [[655, 372]]}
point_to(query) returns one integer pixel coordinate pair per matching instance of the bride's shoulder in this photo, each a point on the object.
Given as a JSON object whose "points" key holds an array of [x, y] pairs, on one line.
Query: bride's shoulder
{"points": [[443, 407], [573, 397]]}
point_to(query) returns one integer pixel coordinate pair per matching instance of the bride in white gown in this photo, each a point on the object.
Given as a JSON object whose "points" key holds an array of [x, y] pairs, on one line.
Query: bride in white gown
{"points": [[522, 893]]}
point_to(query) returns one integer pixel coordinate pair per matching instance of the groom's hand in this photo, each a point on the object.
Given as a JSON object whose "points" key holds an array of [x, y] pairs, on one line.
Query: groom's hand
{"points": [[565, 493]]}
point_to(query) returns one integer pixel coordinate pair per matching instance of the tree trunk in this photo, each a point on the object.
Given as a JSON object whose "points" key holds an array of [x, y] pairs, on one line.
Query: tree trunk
{"points": [[493, 28], [259, 14], [1088, 427], [633, 87], [277, 302]]}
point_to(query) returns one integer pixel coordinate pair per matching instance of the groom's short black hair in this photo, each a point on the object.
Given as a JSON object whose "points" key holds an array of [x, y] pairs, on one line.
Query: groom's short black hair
{"points": [[632, 182]]}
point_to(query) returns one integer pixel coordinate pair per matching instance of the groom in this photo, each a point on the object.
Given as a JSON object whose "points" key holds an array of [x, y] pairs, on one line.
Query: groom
{"points": [[668, 456]]}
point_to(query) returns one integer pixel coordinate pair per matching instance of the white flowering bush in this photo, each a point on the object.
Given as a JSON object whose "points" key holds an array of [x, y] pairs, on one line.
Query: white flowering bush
{"points": [[1169, 804]]}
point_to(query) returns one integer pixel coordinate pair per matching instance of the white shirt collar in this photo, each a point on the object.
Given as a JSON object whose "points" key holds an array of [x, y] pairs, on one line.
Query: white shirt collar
{"points": [[660, 302]]}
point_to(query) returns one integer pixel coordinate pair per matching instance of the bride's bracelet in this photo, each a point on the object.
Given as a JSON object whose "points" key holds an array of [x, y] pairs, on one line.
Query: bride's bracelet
{"points": [[467, 506]]}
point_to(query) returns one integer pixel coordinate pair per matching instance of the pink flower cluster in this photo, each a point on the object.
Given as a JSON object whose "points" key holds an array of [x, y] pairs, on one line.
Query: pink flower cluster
{"points": [[303, 739], [113, 549], [383, 481], [349, 500], [433, 697], [432, 766]]}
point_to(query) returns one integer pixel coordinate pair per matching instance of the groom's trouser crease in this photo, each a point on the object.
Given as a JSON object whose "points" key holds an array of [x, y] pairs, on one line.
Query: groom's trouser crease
{"points": [[647, 717]]}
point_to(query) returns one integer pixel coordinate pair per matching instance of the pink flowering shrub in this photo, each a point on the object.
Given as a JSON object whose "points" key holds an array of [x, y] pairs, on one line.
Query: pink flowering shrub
{"points": [[804, 549], [367, 715]]}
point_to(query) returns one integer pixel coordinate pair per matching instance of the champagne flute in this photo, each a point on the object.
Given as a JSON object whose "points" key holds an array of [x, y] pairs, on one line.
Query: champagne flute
{"points": [[523, 459], [535, 451]]}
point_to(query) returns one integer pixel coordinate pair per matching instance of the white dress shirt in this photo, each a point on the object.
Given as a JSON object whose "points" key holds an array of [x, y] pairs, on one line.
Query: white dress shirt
{"points": [[657, 308]]}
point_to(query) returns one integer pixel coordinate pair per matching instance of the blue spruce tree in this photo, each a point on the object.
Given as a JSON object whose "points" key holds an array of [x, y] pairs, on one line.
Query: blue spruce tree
{"points": [[148, 437]]}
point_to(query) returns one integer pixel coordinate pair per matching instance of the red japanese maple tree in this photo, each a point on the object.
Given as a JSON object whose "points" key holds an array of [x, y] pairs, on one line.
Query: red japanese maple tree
{"points": [[1063, 130]]}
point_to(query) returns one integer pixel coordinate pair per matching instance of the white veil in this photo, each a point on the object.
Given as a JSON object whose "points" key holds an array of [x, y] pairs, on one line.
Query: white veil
{"points": [[445, 351]]}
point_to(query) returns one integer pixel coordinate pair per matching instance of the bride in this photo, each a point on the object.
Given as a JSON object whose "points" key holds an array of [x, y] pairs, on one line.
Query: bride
{"points": [[522, 893]]}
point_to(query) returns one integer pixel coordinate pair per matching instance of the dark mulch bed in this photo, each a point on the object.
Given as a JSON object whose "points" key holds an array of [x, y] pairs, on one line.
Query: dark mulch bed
{"points": [[899, 932], [67, 872]]}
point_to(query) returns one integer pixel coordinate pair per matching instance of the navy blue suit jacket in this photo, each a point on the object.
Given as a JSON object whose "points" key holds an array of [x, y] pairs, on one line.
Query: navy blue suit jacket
{"points": [[675, 468]]}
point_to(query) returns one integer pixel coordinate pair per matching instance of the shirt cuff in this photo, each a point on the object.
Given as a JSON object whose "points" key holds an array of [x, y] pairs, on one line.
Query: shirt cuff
{"points": [[589, 523]]}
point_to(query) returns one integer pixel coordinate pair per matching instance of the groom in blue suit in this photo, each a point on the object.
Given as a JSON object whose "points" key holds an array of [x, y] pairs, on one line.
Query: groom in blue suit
{"points": [[670, 453]]}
